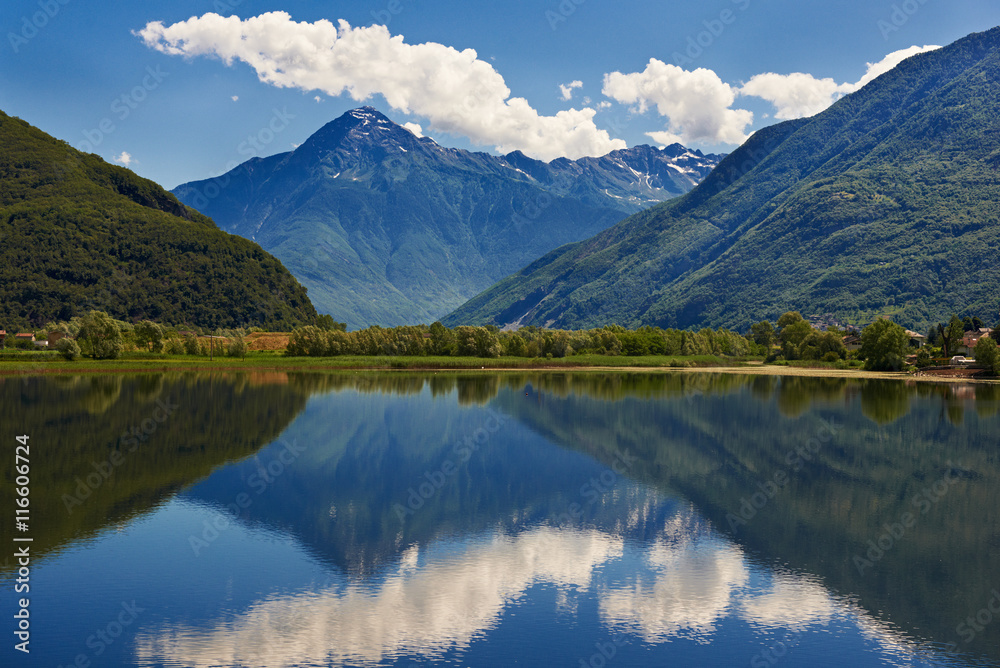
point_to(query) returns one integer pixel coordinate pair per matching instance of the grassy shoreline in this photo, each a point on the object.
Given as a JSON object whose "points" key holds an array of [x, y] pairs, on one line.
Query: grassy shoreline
{"points": [[44, 363], [49, 363]]}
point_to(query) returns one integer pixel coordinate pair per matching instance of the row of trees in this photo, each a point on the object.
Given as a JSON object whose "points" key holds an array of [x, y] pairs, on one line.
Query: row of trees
{"points": [[489, 342], [100, 336], [795, 339], [884, 344]]}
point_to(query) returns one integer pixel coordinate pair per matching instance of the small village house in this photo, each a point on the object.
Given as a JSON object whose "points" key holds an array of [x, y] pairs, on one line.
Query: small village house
{"points": [[971, 338], [917, 339], [852, 342], [54, 337]]}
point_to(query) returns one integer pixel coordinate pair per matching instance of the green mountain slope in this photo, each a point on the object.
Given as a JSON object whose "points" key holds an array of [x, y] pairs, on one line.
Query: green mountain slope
{"points": [[884, 204], [388, 228], [77, 233]]}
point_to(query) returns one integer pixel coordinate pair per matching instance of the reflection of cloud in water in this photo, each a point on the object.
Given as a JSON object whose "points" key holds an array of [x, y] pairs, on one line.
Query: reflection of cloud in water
{"points": [[441, 600], [791, 602], [691, 589], [419, 609]]}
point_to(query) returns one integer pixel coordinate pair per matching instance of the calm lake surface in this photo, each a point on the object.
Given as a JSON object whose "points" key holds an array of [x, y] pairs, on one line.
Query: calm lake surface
{"points": [[543, 519]]}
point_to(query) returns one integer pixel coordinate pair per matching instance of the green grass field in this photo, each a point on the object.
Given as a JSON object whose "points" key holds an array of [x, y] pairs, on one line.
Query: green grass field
{"points": [[17, 362]]}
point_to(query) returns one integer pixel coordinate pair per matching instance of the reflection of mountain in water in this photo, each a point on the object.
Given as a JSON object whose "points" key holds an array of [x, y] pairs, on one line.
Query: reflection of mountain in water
{"points": [[892, 443], [356, 493], [108, 448], [713, 438]]}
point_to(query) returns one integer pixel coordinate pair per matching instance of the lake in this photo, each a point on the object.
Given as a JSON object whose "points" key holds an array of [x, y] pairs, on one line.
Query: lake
{"points": [[503, 519]]}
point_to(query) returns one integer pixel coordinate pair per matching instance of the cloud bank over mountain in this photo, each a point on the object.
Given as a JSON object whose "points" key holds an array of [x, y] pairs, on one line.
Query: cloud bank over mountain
{"points": [[454, 90], [460, 94]]}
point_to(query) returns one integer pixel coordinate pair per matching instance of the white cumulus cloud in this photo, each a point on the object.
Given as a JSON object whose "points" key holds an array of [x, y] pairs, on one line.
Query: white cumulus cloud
{"points": [[454, 90], [799, 94], [876, 70], [795, 95], [697, 104], [567, 89], [414, 128], [124, 158], [235, 98]]}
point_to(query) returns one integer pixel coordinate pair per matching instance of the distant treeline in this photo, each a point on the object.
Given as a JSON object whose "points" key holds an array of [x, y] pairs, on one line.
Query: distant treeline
{"points": [[532, 341]]}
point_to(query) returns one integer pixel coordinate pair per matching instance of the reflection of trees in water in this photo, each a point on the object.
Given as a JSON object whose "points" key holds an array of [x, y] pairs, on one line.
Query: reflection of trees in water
{"points": [[987, 400], [763, 386], [101, 393], [882, 401], [885, 401], [717, 451], [795, 394], [89, 419]]}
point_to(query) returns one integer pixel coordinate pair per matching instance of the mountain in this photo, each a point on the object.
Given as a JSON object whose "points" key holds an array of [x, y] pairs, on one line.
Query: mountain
{"points": [[388, 228], [77, 234], [884, 204]]}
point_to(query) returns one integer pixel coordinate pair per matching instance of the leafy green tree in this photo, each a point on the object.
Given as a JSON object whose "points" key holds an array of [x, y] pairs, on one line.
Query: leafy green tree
{"points": [[883, 346], [828, 346], [68, 348], [308, 341], [149, 335], [763, 333], [191, 345], [560, 346], [101, 335], [442, 339], [951, 335], [789, 318], [793, 331], [326, 322], [237, 345], [987, 354], [488, 345]]}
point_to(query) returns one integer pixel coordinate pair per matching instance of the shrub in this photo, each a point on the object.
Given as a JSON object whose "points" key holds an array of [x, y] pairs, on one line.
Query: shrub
{"points": [[987, 355], [174, 346], [237, 345], [68, 348]]}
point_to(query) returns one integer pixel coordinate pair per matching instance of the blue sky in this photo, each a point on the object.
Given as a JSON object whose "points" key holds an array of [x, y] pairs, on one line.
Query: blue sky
{"points": [[161, 98]]}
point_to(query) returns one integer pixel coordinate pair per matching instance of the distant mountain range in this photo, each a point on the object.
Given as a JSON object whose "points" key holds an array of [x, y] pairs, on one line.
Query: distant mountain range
{"points": [[78, 234], [385, 227], [887, 203]]}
